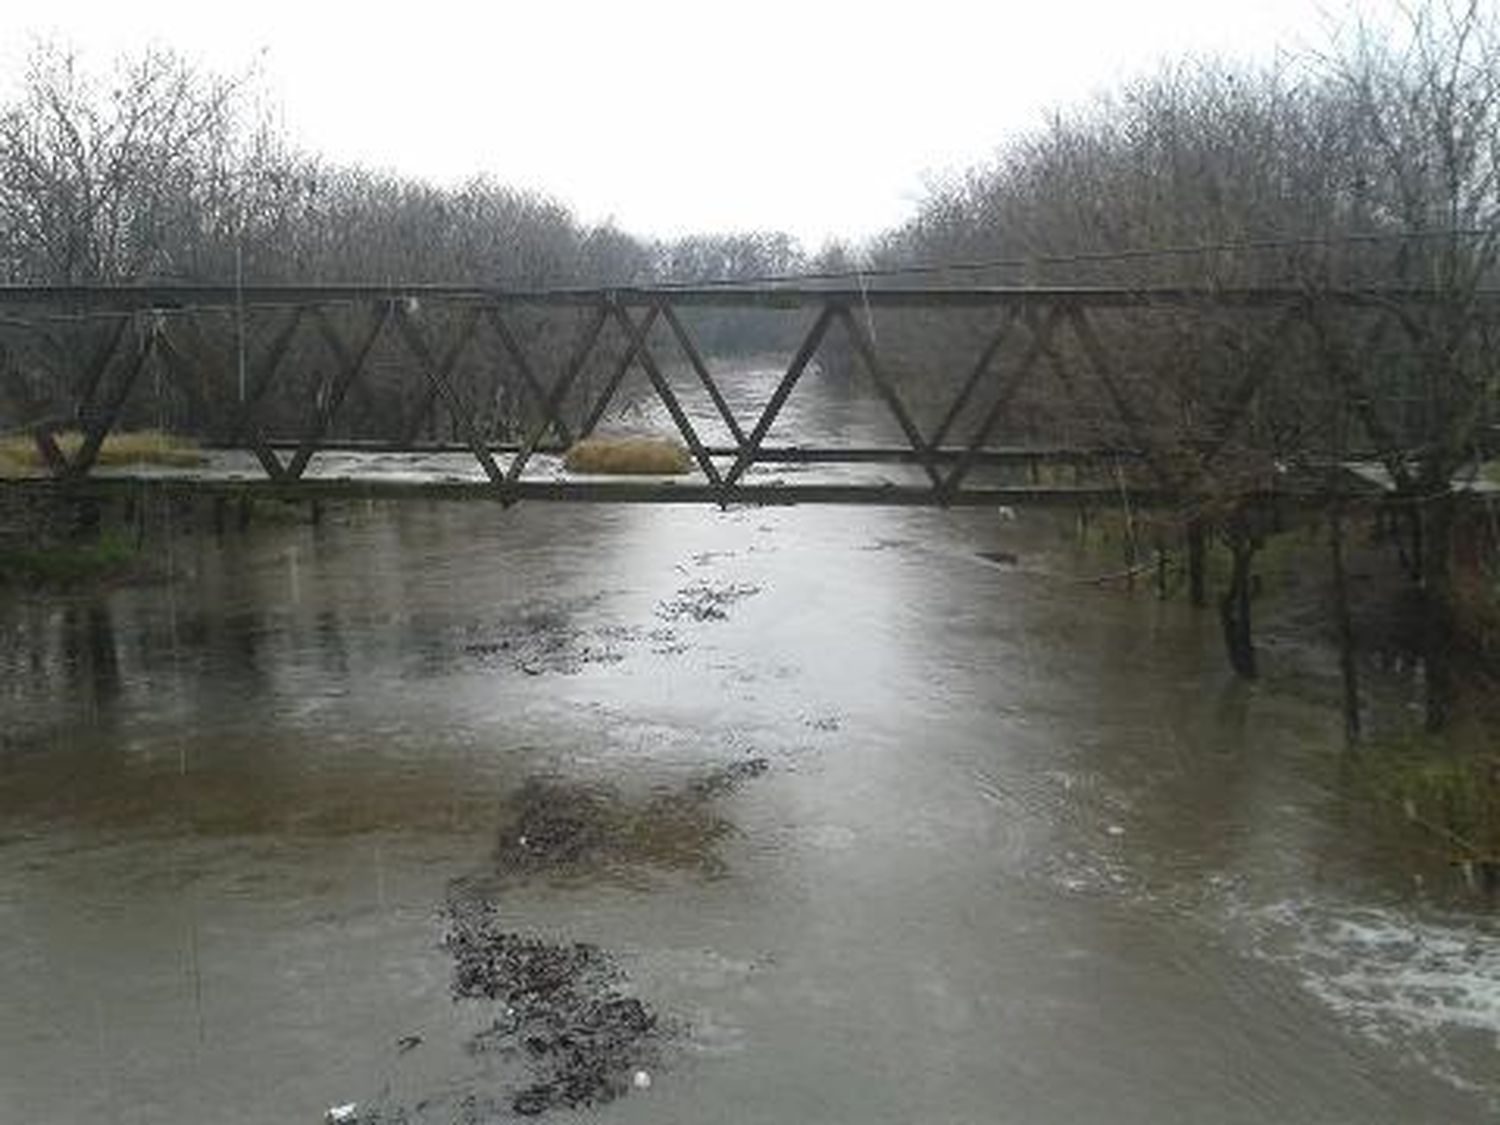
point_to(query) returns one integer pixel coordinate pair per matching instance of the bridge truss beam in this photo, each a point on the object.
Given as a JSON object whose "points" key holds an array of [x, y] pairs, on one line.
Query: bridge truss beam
{"points": [[226, 357]]}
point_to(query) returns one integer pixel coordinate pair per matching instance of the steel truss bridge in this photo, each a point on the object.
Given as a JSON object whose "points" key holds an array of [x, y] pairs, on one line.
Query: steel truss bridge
{"points": [[1028, 395]]}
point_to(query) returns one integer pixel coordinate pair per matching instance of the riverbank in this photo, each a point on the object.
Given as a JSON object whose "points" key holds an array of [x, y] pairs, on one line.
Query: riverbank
{"points": [[1445, 786]]}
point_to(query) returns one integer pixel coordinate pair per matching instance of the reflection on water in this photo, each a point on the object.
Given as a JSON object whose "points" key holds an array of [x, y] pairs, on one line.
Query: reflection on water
{"points": [[893, 833]]}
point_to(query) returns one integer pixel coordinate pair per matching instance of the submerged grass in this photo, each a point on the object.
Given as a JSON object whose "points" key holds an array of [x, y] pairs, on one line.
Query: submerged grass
{"points": [[18, 452], [1288, 558], [628, 455], [1451, 792], [65, 565]]}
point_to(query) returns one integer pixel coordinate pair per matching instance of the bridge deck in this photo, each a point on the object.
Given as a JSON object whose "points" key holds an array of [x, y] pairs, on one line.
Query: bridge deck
{"points": [[790, 477]]}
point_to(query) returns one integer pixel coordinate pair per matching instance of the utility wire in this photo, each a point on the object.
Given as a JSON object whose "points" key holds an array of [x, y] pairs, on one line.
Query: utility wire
{"points": [[855, 274], [921, 269]]}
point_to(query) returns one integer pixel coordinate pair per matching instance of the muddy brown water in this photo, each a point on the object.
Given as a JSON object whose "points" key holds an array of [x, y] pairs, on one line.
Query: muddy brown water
{"points": [[875, 828]]}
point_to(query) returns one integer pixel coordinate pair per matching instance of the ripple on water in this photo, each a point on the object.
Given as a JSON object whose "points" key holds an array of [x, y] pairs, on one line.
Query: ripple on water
{"points": [[1031, 807]]}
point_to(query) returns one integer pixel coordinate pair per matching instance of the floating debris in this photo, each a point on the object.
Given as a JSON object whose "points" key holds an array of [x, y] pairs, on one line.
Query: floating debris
{"points": [[539, 652], [562, 1011], [723, 780], [567, 829], [703, 601], [548, 640], [558, 1024]]}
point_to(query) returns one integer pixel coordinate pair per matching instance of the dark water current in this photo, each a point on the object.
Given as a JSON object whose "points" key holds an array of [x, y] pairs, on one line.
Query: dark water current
{"points": [[876, 830]]}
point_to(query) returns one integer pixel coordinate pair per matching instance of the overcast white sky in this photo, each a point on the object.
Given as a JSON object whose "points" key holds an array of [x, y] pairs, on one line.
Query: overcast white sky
{"points": [[821, 118]]}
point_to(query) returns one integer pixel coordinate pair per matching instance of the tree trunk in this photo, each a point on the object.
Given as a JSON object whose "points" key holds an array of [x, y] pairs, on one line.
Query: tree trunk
{"points": [[1436, 523], [1347, 665], [1413, 561], [1197, 593], [1234, 605]]}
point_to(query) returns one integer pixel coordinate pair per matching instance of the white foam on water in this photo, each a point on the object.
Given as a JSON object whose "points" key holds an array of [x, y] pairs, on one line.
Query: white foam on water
{"points": [[1430, 987], [1421, 975]]}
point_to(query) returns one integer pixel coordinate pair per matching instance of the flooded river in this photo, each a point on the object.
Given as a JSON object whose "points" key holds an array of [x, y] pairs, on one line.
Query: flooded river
{"points": [[848, 822]]}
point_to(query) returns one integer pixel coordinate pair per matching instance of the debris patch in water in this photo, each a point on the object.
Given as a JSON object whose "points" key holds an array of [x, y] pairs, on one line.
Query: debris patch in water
{"points": [[540, 649], [549, 640], [704, 601], [563, 1012], [549, 826], [888, 544]]}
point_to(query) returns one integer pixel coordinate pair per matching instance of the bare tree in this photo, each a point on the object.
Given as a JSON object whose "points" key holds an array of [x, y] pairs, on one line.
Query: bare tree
{"points": [[1422, 123], [97, 184]]}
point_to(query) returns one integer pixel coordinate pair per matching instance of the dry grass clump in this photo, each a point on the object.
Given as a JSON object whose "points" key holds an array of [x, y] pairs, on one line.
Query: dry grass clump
{"points": [[625, 455], [136, 447], [9, 465]]}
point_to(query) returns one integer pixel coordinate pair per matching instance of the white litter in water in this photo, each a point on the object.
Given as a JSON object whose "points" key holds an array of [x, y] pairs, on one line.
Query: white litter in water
{"points": [[641, 1080], [341, 1114], [1115, 830]]}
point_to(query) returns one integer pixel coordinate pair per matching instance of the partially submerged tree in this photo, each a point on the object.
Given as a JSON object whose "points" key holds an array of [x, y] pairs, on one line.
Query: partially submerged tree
{"points": [[1422, 129], [1374, 166]]}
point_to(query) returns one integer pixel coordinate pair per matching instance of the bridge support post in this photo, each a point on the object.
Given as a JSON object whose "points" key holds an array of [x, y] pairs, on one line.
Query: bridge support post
{"points": [[1197, 591]]}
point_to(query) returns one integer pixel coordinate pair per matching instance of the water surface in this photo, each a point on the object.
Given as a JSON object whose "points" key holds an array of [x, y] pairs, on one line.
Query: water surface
{"points": [[1018, 848]]}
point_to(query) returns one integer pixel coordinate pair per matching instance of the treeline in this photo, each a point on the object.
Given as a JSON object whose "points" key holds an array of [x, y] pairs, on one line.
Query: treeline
{"points": [[162, 173], [1373, 166], [1343, 167]]}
